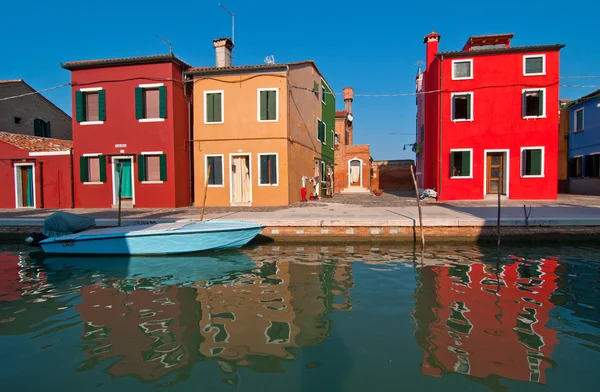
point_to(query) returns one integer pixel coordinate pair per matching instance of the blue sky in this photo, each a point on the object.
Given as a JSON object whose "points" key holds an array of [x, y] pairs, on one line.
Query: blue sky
{"points": [[371, 46]]}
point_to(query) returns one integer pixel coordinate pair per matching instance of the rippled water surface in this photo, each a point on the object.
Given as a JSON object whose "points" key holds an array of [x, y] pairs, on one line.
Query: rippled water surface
{"points": [[303, 319]]}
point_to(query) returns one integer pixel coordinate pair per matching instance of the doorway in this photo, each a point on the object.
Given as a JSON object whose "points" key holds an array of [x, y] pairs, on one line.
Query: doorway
{"points": [[241, 184], [355, 173], [25, 185], [496, 173], [127, 191]]}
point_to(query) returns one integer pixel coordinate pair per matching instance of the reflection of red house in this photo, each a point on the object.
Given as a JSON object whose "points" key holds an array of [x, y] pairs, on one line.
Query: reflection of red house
{"points": [[480, 325], [10, 280]]}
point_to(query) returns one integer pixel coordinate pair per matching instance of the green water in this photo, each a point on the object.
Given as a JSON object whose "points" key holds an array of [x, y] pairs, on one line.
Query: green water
{"points": [[306, 318]]}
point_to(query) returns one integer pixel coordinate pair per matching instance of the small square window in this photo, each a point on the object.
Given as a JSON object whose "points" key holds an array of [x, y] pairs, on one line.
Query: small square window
{"points": [[268, 169], [532, 162], [460, 164], [462, 107], [17, 120], [321, 131], [592, 165], [213, 107], [462, 69], [534, 103], [576, 167], [267, 105], [534, 65], [579, 120]]}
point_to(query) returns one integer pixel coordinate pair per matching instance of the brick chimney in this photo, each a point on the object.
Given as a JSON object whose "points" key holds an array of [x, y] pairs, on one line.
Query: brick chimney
{"points": [[432, 40], [223, 48], [348, 98]]}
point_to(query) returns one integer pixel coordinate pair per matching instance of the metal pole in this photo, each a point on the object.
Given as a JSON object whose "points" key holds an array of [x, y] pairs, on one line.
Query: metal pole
{"points": [[420, 212], [120, 189], [232, 22]]}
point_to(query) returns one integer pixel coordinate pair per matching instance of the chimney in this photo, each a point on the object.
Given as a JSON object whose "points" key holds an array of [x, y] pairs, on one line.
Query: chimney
{"points": [[432, 40], [223, 48], [348, 98]]}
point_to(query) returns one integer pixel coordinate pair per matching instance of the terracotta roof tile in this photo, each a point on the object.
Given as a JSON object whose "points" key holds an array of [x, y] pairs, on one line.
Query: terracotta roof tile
{"points": [[514, 49], [341, 114], [83, 64], [34, 143]]}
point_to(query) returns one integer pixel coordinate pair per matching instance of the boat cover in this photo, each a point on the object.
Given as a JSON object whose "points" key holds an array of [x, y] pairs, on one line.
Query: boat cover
{"points": [[63, 223]]}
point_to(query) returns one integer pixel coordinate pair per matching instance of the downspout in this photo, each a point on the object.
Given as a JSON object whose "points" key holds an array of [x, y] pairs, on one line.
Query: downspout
{"points": [[41, 185], [72, 179], [190, 142], [439, 191]]}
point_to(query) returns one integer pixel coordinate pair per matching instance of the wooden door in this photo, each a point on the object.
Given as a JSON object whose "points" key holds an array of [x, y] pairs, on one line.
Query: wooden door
{"points": [[495, 173], [24, 186]]}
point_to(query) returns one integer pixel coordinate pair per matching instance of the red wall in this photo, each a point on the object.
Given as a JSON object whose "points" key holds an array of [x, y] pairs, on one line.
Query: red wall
{"points": [[122, 127]]}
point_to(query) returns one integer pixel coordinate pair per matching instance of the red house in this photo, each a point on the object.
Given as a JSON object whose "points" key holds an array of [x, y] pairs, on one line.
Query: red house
{"points": [[487, 119], [132, 122], [35, 172]]}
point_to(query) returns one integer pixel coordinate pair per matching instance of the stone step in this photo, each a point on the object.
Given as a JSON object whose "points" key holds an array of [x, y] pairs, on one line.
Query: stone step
{"points": [[355, 190]]}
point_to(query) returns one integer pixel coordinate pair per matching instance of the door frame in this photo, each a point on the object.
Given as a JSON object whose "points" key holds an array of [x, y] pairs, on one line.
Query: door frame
{"points": [[360, 172], [114, 182], [239, 154], [16, 169], [506, 172]]}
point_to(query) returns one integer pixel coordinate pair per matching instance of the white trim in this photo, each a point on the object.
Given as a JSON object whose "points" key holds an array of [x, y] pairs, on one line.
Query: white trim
{"points": [[222, 170], [452, 107], [222, 92], [462, 61], [152, 182], [524, 100], [147, 120], [361, 168], [471, 163], [258, 90], [92, 155], [48, 153], [543, 161], [151, 85], [506, 173], [239, 154], [151, 153], [91, 123], [276, 168], [543, 56], [575, 130], [324, 133], [323, 93], [333, 139], [17, 201], [114, 182], [90, 89], [318, 121], [93, 183]]}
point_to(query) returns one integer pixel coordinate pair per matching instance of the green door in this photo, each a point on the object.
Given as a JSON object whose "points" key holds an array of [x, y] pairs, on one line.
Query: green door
{"points": [[126, 190]]}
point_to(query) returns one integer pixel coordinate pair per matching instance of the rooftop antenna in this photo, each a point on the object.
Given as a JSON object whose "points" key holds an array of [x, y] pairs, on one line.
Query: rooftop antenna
{"points": [[170, 45], [232, 22], [270, 60]]}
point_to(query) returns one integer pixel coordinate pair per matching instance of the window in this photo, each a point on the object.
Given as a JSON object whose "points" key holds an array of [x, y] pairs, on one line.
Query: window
{"points": [[462, 69], [267, 105], [152, 167], [17, 120], [41, 128], [534, 103], [92, 169], [151, 102], [323, 93], [461, 163], [592, 165], [576, 167], [532, 162], [321, 131], [534, 65], [90, 106], [213, 107], [214, 170], [332, 138], [268, 169], [579, 120], [462, 107], [323, 171]]}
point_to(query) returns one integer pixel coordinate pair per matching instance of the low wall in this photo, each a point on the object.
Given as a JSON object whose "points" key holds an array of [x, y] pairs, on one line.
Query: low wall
{"points": [[584, 186], [392, 175]]}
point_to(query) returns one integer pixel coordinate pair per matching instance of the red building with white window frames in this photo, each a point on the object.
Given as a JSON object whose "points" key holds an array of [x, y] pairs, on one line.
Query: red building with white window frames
{"points": [[131, 120], [487, 119]]}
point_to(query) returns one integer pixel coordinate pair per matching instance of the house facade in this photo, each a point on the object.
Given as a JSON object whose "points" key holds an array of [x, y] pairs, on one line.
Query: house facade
{"points": [[31, 114], [131, 132], [35, 172], [490, 113], [259, 134], [584, 145], [564, 124]]}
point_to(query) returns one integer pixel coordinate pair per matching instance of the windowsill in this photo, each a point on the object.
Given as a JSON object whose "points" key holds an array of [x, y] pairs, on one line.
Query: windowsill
{"points": [[152, 182], [213, 122], [267, 121], [145, 120], [91, 123], [216, 186], [533, 117], [93, 183], [268, 184], [461, 178], [467, 78], [462, 120], [532, 176], [535, 74], [578, 131]]}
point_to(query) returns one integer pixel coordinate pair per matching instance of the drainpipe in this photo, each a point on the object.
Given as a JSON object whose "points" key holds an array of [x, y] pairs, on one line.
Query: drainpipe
{"points": [[41, 185], [439, 192], [72, 179], [190, 136]]}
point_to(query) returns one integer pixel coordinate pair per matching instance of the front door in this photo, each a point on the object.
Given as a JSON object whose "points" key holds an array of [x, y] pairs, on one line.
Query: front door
{"points": [[495, 173], [241, 187], [25, 197], [355, 173], [122, 172]]}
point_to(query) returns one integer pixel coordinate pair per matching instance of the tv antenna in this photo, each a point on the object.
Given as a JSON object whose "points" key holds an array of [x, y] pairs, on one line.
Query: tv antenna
{"points": [[270, 60], [232, 22], [169, 43]]}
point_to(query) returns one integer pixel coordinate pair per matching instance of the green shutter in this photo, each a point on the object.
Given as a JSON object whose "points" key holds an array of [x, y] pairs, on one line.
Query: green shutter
{"points": [[469, 113], [38, 127], [541, 103], [217, 112], [83, 169], [101, 105], [163, 167], [264, 169], [47, 132], [466, 164], [79, 106], [139, 103], [162, 93], [141, 168], [102, 162], [536, 162], [210, 107], [524, 104], [273, 168], [263, 105], [272, 105], [316, 88]]}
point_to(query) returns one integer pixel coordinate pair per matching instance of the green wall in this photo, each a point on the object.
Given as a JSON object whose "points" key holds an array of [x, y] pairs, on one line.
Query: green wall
{"points": [[328, 117]]}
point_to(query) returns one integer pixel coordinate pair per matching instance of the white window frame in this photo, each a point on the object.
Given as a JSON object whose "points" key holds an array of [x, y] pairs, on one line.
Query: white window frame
{"points": [[324, 133], [575, 130], [16, 168], [470, 166], [318, 121], [222, 169], [276, 168], [222, 92], [471, 108], [323, 89], [276, 104], [462, 61], [543, 56], [523, 101], [151, 153], [91, 90], [92, 155], [523, 175], [150, 86], [333, 139]]}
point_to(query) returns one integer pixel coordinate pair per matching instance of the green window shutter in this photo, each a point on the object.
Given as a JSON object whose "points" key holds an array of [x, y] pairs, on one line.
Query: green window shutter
{"points": [[264, 169], [524, 104], [102, 105], [469, 97], [79, 106], [102, 161], [273, 168], [263, 105], [536, 162], [163, 167], [38, 127], [210, 108], [316, 88], [141, 168], [47, 132], [466, 163], [217, 110], [83, 169], [139, 103], [272, 105], [210, 169], [541, 103], [162, 93]]}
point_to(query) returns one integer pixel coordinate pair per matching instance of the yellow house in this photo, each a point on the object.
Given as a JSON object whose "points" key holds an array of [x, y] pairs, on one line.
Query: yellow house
{"points": [[255, 132]]}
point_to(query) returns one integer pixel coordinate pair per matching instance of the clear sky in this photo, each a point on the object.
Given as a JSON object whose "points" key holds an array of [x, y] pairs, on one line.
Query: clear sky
{"points": [[373, 46]]}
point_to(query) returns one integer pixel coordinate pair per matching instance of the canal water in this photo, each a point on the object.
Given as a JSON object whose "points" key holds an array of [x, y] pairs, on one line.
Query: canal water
{"points": [[311, 318]]}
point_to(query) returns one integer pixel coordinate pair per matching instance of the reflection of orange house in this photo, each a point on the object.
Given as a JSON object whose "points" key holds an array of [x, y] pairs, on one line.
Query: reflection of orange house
{"points": [[471, 322]]}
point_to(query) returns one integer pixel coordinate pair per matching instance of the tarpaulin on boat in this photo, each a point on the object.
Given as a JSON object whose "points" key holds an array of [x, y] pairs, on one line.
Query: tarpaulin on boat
{"points": [[64, 223]]}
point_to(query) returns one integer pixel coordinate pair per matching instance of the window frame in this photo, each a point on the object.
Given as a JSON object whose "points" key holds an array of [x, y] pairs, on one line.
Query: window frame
{"points": [[543, 173], [332, 138], [146, 154], [222, 156], [470, 176], [222, 92], [151, 86], [323, 96], [543, 56], [581, 158], [258, 91], [319, 121], [88, 156], [575, 130], [524, 102], [471, 111], [85, 91], [454, 77], [276, 168]]}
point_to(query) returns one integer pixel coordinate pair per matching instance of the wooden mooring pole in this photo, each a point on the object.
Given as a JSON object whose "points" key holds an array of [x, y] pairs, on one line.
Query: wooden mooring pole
{"points": [[205, 192], [120, 192], [412, 172]]}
